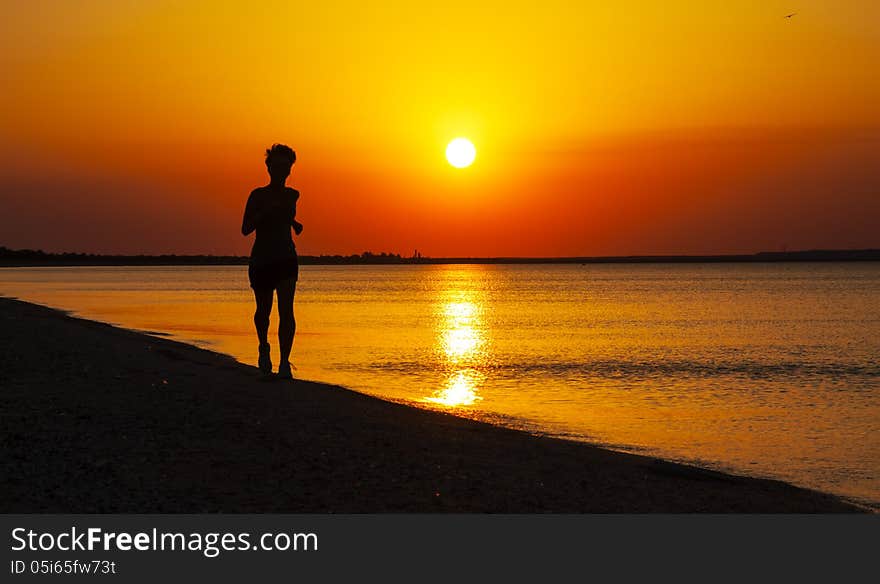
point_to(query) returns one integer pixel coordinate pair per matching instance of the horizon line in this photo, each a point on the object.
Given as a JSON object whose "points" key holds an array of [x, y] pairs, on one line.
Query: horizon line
{"points": [[22, 257]]}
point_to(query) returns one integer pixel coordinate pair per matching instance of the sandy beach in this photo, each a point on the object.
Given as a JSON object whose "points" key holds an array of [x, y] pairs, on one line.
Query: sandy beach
{"points": [[100, 419]]}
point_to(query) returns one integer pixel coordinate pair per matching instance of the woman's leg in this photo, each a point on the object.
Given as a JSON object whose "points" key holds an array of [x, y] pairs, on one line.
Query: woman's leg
{"points": [[286, 322], [261, 315]]}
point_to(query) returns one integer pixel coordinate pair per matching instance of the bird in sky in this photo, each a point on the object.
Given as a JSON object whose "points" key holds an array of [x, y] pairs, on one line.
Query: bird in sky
{"points": [[790, 15]]}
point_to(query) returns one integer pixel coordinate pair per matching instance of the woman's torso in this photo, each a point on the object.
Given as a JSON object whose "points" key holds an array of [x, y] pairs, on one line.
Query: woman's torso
{"points": [[273, 241]]}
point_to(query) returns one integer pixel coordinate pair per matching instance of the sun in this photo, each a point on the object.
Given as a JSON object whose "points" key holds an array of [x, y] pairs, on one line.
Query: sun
{"points": [[461, 153]]}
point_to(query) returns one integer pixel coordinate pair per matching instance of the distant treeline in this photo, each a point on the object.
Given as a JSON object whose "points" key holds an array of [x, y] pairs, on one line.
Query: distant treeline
{"points": [[29, 257], [12, 257]]}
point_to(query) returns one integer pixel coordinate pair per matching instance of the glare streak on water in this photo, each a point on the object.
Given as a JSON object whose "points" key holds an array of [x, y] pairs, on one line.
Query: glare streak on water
{"points": [[766, 369]]}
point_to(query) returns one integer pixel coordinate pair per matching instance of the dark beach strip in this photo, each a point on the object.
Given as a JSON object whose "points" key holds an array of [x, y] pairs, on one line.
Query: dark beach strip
{"points": [[98, 419]]}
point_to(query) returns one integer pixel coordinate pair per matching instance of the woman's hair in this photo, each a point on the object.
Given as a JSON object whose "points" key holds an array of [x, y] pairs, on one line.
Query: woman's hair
{"points": [[281, 151]]}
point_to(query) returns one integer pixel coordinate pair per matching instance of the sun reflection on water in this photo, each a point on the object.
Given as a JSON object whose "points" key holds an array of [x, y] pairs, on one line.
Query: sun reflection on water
{"points": [[461, 343], [460, 390], [461, 336]]}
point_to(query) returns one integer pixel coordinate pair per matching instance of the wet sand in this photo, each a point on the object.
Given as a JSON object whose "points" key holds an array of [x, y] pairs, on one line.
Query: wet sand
{"points": [[98, 419]]}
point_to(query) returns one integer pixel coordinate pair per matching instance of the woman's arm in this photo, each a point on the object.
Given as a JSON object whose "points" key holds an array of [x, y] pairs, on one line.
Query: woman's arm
{"points": [[256, 211], [297, 226], [252, 216]]}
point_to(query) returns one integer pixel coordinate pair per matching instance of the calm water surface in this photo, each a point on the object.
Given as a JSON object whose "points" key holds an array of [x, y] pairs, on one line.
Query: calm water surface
{"points": [[763, 369]]}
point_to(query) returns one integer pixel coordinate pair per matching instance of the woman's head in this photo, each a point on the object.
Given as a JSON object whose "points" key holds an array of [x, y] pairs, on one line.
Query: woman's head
{"points": [[279, 160]]}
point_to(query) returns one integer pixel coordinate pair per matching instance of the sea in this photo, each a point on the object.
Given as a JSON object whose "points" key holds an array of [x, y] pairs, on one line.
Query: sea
{"points": [[761, 369]]}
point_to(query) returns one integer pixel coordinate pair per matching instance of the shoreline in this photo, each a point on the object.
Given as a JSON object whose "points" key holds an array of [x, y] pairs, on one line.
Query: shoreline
{"points": [[103, 419], [38, 258]]}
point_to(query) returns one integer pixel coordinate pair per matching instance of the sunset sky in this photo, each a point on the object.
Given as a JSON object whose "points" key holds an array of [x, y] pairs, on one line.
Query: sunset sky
{"points": [[601, 128]]}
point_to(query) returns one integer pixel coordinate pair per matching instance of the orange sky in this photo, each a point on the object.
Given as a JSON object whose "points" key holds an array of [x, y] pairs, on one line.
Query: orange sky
{"points": [[638, 128]]}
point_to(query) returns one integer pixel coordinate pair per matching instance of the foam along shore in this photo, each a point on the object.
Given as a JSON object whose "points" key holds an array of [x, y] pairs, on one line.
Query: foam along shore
{"points": [[100, 419]]}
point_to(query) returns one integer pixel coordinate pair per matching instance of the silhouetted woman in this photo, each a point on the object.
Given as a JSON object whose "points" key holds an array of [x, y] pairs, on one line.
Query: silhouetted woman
{"points": [[271, 212]]}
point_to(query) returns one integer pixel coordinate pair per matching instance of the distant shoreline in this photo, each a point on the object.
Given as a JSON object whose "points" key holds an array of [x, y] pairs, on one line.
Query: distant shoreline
{"points": [[37, 258]]}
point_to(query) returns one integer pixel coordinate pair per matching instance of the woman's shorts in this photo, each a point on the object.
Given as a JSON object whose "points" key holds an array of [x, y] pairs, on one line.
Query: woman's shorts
{"points": [[268, 276]]}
